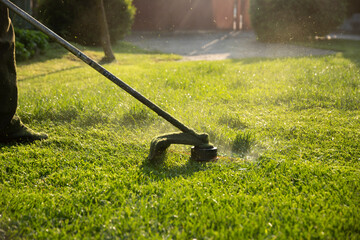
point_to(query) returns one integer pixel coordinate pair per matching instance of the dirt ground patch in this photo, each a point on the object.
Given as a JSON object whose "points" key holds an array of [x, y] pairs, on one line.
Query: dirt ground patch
{"points": [[217, 45]]}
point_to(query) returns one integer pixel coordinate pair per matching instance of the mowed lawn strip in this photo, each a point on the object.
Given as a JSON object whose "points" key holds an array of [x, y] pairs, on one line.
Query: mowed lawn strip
{"points": [[287, 131]]}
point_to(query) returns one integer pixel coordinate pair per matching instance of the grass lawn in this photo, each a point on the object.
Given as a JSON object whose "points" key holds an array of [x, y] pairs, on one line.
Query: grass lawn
{"points": [[288, 133]]}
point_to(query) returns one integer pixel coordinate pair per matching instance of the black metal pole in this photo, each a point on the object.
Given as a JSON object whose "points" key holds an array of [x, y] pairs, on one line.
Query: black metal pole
{"points": [[97, 67]]}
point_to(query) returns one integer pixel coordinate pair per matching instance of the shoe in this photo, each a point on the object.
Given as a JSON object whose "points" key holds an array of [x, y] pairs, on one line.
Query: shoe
{"points": [[23, 134]]}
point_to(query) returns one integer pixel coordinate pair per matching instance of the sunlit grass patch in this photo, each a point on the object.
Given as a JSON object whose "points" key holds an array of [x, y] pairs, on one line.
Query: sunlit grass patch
{"points": [[287, 131]]}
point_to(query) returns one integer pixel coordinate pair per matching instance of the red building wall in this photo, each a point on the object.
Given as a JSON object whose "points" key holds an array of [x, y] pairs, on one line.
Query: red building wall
{"points": [[173, 14], [185, 14], [223, 12]]}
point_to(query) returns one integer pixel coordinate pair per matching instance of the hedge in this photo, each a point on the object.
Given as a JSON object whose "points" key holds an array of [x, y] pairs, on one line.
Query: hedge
{"points": [[29, 43], [294, 20]]}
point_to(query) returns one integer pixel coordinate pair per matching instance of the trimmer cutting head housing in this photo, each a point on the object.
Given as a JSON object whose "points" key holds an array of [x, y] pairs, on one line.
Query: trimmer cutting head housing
{"points": [[202, 151], [200, 154]]}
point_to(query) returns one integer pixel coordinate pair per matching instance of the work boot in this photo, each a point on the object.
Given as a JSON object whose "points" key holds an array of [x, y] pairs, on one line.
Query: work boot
{"points": [[18, 132]]}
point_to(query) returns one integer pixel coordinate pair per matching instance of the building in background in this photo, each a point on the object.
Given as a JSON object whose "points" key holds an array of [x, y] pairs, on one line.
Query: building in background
{"points": [[174, 15]]}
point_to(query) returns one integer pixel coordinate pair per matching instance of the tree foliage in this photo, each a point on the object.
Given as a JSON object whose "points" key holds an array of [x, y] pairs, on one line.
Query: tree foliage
{"points": [[77, 20]]}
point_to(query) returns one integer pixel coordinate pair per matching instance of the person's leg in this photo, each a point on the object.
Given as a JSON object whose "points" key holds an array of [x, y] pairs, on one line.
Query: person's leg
{"points": [[8, 88], [11, 127]]}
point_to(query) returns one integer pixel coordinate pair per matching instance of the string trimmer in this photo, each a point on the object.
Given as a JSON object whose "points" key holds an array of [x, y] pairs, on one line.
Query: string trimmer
{"points": [[202, 150]]}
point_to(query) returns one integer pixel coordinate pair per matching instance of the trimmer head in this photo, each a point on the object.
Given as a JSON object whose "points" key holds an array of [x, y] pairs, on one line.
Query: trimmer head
{"points": [[204, 154]]}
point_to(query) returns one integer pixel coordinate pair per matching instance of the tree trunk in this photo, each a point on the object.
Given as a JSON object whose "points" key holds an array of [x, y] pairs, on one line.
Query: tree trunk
{"points": [[105, 36]]}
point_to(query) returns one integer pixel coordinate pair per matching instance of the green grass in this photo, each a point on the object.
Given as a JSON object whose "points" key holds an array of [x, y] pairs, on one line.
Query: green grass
{"points": [[287, 132]]}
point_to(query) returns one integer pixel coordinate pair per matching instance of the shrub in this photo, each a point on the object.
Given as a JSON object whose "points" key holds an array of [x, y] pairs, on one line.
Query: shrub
{"points": [[77, 20], [29, 43], [353, 6], [287, 20]]}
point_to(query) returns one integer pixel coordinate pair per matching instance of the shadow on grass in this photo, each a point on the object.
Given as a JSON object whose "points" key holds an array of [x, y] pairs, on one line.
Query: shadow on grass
{"points": [[246, 61], [161, 170], [55, 51], [49, 73], [13, 143]]}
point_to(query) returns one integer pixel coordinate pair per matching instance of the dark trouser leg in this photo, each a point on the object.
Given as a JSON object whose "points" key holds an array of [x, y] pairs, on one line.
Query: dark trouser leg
{"points": [[8, 87], [11, 128]]}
